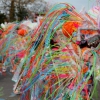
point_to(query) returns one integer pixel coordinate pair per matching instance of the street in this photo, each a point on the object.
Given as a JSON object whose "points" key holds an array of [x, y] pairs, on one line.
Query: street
{"points": [[7, 85]]}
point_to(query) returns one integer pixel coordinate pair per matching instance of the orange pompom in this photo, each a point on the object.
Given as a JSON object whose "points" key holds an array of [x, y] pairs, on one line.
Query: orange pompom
{"points": [[22, 32], [69, 27]]}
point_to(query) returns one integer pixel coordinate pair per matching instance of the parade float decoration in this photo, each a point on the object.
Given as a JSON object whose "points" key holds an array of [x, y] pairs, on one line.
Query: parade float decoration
{"points": [[59, 60], [14, 41], [61, 63]]}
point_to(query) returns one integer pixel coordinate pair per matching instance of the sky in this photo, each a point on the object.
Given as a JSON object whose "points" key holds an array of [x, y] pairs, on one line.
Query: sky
{"points": [[78, 4]]}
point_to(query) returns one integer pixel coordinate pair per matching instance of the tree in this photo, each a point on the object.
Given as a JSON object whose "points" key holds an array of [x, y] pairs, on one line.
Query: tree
{"points": [[38, 7], [22, 13], [2, 18], [21, 8], [12, 7], [12, 10]]}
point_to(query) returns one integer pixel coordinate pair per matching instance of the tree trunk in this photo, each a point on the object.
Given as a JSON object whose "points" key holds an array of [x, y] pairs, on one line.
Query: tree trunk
{"points": [[12, 11]]}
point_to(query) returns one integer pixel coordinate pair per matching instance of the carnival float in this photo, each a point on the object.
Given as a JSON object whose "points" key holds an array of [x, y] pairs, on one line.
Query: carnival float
{"points": [[55, 59]]}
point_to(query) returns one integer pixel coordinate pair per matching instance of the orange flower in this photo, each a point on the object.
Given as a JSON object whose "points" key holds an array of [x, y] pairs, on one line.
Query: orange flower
{"points": [[69, 27], [22, 32]]}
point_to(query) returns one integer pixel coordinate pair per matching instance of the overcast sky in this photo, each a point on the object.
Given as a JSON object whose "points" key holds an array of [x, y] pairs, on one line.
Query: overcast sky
{"points": [[78, 4]]}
